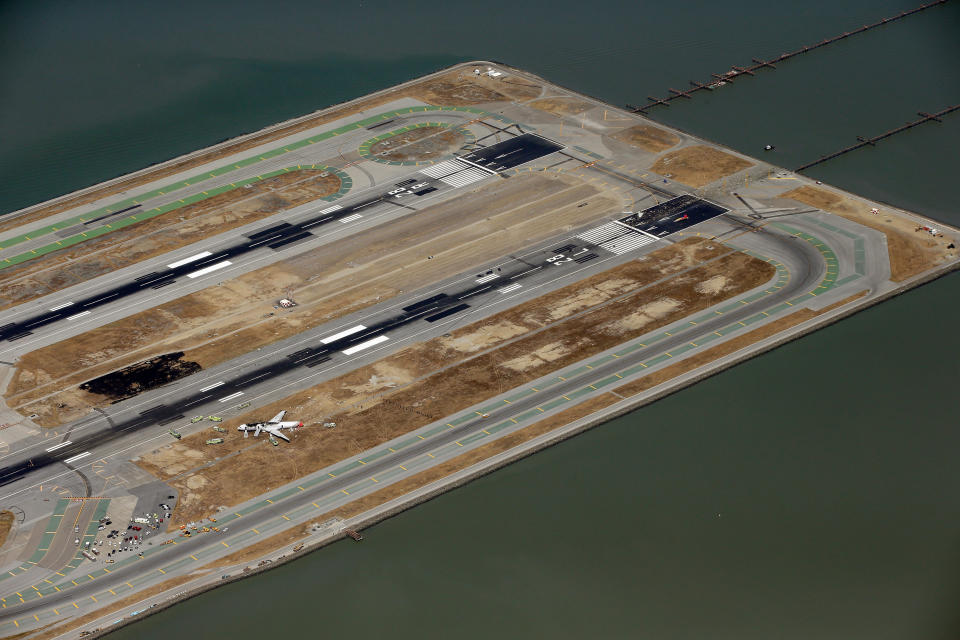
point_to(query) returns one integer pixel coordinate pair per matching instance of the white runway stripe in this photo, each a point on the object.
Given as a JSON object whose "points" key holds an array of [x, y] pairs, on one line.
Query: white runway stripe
{"points": [[487, 278], [365, 345], [330, 209], [343, 334], [627, 243], [180, 263], [355, 216], [77, 457], [512, 287], [444, 168], [463, 178], [210, 269], [603, 233], [232, 396]]}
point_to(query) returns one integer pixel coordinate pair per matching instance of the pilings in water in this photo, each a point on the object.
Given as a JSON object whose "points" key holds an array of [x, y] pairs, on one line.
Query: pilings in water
{"points": [[736, 72], [863, 142]]}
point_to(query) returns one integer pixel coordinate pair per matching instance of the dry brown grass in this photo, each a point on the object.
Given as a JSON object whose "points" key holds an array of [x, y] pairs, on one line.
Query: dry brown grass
{"points": [[648, 137], [733, 345], [699, 165], [6, 524], [422, 143], [164, 233], [457, 87], [263, 547], [443, 376], [911, 251], [221, 322], [561, 106], [423, 478]]}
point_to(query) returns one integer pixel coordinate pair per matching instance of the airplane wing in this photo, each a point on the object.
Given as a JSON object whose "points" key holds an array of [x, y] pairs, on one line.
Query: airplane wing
{"points": [[279, 416], [277, 432]]}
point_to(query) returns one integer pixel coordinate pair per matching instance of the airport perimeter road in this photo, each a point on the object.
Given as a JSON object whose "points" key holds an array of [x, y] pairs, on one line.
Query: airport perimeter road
{"points": [[801, 281]]}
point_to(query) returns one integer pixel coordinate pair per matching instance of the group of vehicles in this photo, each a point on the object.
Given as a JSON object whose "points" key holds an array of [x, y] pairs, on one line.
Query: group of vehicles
{"points": [[273, 428], [129, 540]]}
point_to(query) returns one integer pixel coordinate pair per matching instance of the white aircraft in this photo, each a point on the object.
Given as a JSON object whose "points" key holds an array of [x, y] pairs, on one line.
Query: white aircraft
{"points": [[272, 426]]}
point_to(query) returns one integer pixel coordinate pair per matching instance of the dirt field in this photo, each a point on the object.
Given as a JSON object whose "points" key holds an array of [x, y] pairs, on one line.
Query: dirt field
{"points": [[6, 524], [648, 138], [561, 106], [166, 232], [422, 143], [442, 376], [457, 87], [698, 165], [912, 251], [221, 322]]}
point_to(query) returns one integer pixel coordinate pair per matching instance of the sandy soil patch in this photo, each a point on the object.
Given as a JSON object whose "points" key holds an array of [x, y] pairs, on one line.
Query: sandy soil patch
{"points": [[714, 285], [458, 87], [645, 315], [648, 138], [911, 251], [561, 106], [159, 235], [699, 165], [546, 353], [422, 143], [444, 383], [6, 524]]}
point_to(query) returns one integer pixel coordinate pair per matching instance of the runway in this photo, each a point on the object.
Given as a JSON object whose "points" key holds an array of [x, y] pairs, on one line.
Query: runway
{"points": [[806, 271], [273, 237]]}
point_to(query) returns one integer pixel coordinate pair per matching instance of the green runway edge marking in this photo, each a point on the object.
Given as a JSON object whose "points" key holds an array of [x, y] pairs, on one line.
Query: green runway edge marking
{"points": [[139, 216]]}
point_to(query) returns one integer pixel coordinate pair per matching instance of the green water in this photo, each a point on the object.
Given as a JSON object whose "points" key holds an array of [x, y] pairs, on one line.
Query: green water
{"points": [[810, 493]]}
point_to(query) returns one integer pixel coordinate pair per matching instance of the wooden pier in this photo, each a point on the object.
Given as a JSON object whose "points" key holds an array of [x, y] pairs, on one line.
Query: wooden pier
{"points": [[736, 72], [863, 142]]}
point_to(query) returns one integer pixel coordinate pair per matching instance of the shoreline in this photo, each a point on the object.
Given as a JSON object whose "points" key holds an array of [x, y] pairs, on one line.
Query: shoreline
{"points": [[484, 467]]}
